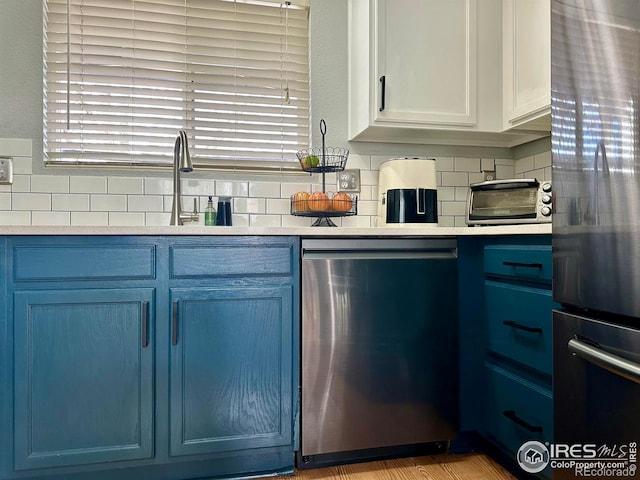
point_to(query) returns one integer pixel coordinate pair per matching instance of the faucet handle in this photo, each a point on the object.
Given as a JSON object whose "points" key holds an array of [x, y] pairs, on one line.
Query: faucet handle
{"points": [[195, 205]]}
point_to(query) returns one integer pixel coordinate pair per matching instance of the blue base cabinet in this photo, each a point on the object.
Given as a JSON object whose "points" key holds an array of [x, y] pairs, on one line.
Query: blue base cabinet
{"points": [[506, 344], [148, 357], [230, 352], [83, 388], [518, 361]]}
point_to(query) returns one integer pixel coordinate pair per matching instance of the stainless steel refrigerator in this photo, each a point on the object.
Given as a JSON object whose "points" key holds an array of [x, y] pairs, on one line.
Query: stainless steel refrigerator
{"points": [[595, 94]]}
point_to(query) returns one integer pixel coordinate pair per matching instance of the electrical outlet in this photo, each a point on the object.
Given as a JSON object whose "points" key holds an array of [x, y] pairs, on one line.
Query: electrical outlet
{"points": [[349, 181], [489, 175], [6, 171]]}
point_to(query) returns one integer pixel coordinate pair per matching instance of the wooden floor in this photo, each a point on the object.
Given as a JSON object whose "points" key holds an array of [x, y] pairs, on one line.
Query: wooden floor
{"points": [[435, 467]]}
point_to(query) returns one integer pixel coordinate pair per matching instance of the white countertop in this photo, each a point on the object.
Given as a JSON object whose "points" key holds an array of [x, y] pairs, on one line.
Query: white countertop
{"points": [[533, 229]]}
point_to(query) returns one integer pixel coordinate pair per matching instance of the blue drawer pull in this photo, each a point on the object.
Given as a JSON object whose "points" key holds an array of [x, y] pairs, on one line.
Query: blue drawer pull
{"points": [[521, 264], [512, 324], [174, 324], [511, 415], [145, 324]]}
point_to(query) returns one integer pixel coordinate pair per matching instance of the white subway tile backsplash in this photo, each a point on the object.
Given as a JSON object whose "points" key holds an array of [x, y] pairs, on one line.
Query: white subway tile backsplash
{"points": [[197, 187], [89, 184], [461, 194], [446, 221], [22, 166], [377, 160], [505, 171], [90, 218], [70, 202], [15, 217], [446, 193], [159, 186], [525, 164], [445, 164], [126, 219], [278, 206], [292, 221], [369, 177], [21, 183], [454, 179], [5, 201], [108, 203], [30, 201], [231, 189], [459, 221], [49, 184], [151, 203], [367, 207], [264, 189], [542, 160], [125, 185], [356, 221], [51, 218], [366, 193], [467, 164], [453, 208], [363, 162], [155, 219], [288, 189], [249, 204], [44, 199], [487, 164], [476, 177], [239, 219], [265, 220]]}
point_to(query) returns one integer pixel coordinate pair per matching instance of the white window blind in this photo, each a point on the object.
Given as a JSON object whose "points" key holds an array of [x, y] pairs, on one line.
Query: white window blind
{"points": [[122, 77]]}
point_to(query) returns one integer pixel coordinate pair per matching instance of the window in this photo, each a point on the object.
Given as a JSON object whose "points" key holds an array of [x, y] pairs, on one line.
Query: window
{"points": [[123, 77]]}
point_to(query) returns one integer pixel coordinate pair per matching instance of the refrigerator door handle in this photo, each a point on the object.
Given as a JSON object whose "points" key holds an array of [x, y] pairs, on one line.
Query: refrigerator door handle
{"points": [[613, 363]]}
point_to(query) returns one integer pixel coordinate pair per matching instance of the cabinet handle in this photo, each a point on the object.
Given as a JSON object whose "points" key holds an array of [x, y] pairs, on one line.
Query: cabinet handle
{"points": [[382, 89], [511, 415], [174, 324], [520, 264], [512, 324], [145, 324]]}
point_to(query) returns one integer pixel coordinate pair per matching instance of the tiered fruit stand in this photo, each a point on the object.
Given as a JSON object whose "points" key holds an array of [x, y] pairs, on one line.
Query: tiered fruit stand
{"points": [[323, 205]]}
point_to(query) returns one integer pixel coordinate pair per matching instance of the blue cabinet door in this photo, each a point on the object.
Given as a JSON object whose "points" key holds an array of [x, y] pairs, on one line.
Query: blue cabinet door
{"points": [[83, 376], [230, 369]]}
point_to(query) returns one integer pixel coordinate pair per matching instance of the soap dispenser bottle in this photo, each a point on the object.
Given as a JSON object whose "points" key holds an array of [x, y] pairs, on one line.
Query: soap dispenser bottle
{"points": [[210, 214]]}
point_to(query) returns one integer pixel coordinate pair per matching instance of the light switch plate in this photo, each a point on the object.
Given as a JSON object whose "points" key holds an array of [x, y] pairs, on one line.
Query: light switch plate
{"points": [[349, 181], [6, 171]]}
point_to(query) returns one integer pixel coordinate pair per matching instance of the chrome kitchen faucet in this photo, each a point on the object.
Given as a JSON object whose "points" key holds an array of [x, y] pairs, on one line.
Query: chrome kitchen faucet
{"points": [[181, 163]]}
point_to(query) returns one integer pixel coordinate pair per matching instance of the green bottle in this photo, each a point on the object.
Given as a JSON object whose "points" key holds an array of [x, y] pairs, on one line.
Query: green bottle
{"points": [[210, 214]]}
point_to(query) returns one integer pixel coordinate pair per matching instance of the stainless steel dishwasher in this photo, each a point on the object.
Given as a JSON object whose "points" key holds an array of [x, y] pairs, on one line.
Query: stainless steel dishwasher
{"points": [[379, 347]]}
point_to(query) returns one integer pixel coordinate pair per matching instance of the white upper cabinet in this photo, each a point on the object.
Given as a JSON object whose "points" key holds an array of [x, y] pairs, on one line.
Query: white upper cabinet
{"points": [[526, 52], [427, 71]]}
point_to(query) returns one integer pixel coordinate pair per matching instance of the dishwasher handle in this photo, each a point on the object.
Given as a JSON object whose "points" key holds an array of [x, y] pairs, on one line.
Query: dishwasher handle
{"points": [[379, 254]]}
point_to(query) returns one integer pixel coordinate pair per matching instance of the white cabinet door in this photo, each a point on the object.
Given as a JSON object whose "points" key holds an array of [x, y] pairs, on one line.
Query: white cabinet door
{"points": [[427, 72], [526, 63], [425, 54]]}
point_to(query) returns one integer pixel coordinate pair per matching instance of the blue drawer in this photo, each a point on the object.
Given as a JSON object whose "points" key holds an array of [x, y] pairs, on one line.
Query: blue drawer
{"points": [[192, 261], [517, 410], [519, 323], [67, 261], [524, 262]]}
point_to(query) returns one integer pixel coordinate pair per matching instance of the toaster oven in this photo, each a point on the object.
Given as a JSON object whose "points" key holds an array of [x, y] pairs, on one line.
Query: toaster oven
{"points": [[505, 202]]}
